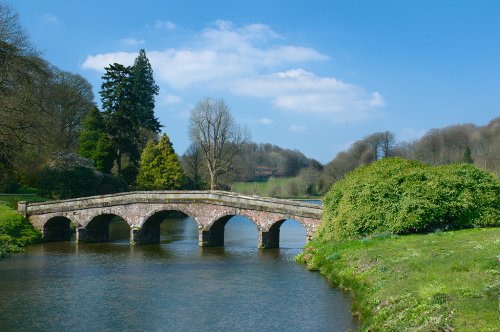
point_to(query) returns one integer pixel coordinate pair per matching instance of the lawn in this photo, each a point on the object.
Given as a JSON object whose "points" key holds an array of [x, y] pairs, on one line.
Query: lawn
{"points": [[273, 187], [11, 200], [443, 281]]}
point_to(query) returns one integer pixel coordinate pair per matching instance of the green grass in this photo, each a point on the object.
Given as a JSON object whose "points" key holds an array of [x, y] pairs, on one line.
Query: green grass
{"points": [[257, 187], [11, 200], [272, 187], [444, 281]]}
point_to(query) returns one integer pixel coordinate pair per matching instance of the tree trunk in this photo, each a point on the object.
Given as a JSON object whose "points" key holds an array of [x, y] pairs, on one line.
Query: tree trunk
{"points": [[213, 181], [119, 162]]}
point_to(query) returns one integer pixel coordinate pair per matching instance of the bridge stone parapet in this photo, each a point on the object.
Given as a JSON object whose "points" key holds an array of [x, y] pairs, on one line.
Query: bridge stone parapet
{"points": [[143, 212]]}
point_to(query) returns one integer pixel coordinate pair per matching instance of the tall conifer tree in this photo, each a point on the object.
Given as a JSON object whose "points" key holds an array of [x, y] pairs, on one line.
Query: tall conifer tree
{"points": [[128, 102], [144, 90], [121, 120]]}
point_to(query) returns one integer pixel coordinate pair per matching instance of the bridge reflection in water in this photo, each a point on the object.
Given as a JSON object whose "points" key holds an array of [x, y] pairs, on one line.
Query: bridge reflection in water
{"points": [[145, 211]]}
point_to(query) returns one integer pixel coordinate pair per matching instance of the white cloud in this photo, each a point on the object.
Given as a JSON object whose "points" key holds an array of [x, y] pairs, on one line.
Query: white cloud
{"points": [[131, 41], [164, 25], [100, 61], [266, 121], [49, 18], [222, 52], [297, 128], [249, 61], [302, 91], [170, 99]]}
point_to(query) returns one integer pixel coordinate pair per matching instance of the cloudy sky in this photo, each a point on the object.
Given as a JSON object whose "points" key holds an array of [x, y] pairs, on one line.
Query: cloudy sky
{"points": [[308, 75]]}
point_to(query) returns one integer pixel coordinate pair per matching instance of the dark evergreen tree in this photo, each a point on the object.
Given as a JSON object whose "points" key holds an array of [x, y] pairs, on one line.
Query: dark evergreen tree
{"points": [[144, 91], [122, 122], [95, 142], [128, 102], [467, 156]]}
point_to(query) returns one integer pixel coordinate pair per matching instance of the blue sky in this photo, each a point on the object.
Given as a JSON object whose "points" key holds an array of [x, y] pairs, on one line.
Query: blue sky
{"points": [[308, 75]]}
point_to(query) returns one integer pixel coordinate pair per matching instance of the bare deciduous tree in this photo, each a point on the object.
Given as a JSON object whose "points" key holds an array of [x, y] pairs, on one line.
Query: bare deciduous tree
{"points": [[212, 127]]}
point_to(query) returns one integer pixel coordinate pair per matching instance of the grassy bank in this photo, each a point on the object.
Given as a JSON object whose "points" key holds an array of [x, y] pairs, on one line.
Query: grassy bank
{"points": [[443, 281], [15, 231], [272, 187], [22, 194]]}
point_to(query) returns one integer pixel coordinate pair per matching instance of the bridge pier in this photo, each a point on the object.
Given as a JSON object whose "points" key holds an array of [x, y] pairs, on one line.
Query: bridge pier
{"points": [[211, 238], [270, 239], [144, 235], [89, 235]]}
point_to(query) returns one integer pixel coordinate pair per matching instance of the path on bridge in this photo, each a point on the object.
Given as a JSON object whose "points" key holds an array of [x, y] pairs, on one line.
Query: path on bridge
{"points": [[145, 210]]}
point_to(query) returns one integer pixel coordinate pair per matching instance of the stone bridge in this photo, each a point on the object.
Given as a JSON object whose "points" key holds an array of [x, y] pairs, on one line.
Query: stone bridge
{"points": [[144, 211]]}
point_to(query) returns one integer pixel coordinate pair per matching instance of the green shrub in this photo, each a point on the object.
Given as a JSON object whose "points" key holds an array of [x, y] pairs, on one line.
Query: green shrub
{"points": [[397, 196], [78, 182], [15, 231]]}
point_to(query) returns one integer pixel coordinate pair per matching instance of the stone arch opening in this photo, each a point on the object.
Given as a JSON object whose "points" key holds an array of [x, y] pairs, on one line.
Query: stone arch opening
{"points": [[288, 233], [57, 229], [165, 225], [98, 229], [240, 231]]}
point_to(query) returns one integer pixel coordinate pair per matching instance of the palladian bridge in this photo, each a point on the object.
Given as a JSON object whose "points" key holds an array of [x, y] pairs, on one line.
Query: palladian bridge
{"points": [[144, 211]]}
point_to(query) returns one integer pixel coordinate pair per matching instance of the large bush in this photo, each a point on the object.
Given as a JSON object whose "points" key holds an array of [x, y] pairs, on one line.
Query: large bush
{"points": [[70, 175], [78, 182], [398, 196]]}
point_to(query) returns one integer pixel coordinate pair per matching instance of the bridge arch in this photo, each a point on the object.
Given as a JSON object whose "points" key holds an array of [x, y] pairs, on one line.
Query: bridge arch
{"points": [[57, 228], [177, 208], [149, 230], [213, 235], [96, 228], [274, 233]]}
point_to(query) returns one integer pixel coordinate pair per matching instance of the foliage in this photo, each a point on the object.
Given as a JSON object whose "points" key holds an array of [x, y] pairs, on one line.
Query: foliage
{"points": [[144, 91], [41, 106], [467, 156], [70, 99], [70, 175], [119, 115], [95, 142], [398, 196], [160, 168], [458, 143], [443, 281], [8, 181], [262, 161], [370, 148], [127, 95], [15, 231]]}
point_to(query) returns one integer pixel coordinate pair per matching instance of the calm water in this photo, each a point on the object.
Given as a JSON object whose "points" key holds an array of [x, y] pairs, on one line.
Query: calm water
{"points": [[171, 286]]}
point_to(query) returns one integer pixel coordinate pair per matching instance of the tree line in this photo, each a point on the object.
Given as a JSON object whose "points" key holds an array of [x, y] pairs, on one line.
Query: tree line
{"points": [[41, 106], [461, 143], [52, 134]]}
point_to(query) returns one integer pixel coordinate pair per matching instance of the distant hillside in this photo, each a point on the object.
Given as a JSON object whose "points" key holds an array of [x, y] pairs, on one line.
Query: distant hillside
{"points": [[258, 162], [438, 146]]}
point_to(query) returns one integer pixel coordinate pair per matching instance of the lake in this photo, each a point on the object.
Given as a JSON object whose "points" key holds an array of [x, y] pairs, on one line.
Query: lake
{"points": [[171, 286]]}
